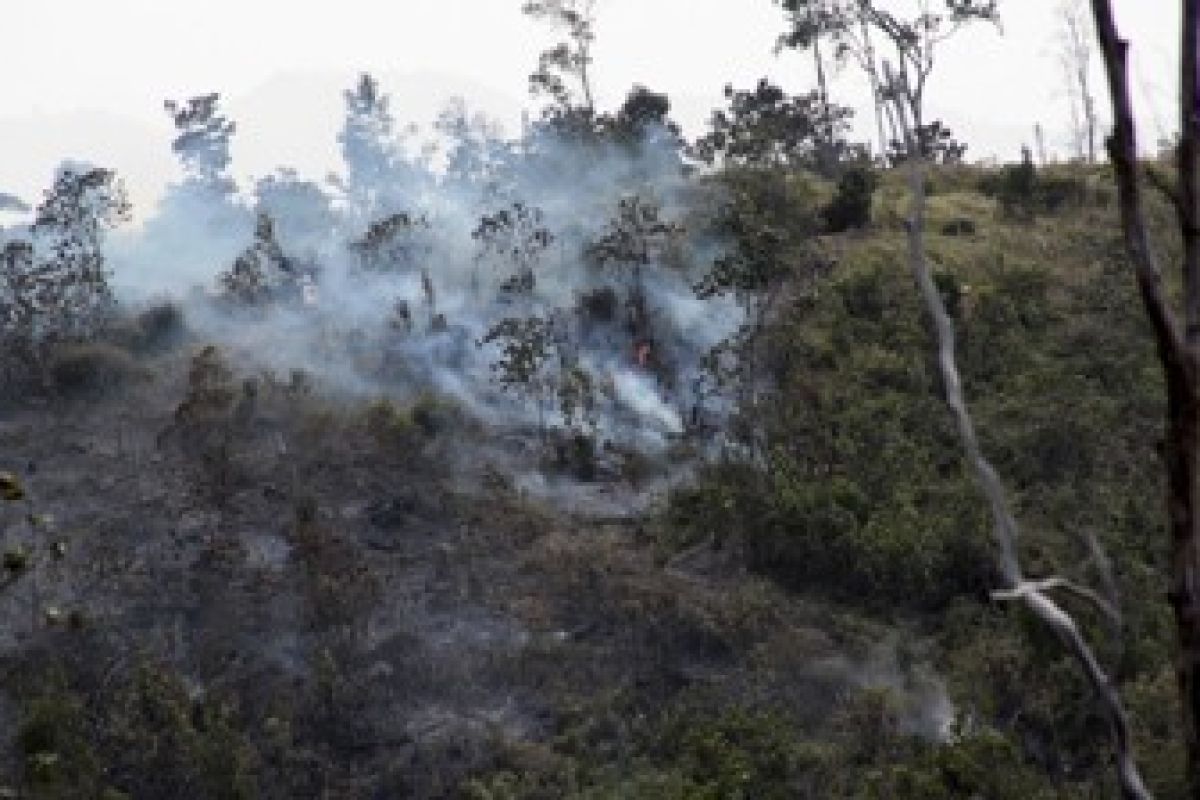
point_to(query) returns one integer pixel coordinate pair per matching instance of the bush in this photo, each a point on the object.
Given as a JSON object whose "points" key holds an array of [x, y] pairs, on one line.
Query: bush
{"points": [[851, 206], [92, 368], [153, 330], [1023, 193]]}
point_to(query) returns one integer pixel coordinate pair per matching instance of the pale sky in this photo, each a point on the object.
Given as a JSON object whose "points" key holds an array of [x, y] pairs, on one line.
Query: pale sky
{"points": [[86, 79]]}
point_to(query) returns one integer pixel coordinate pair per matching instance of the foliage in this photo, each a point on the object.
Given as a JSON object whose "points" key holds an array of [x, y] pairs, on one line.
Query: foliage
{"points": [[636, 237], [526, 346], [766, 127], [565, 62], [935, 142], [1023, 191], [378, 173], [769, 219], [397, 243], [644, 116], [851, 205], [851, 26], [514, 238], [476, 155], [262, 274], [54, 285], [202, 140], [303, 211], [746, 753], [152, 740]]}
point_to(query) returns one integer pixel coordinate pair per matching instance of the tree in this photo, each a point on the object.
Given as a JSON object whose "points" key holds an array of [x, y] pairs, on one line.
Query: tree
{"points": [[475, 152], [1034, 594], [515, 238], [54, 285], [397, 243], [851, 26], [568, 61], [810, 21], [202, 140], [635, 238], [378, 176], [262, 273], [526, 345], [1177, 340], [645, 115], [851, 205], [766, 127], [1075, 56], [304, 211]]}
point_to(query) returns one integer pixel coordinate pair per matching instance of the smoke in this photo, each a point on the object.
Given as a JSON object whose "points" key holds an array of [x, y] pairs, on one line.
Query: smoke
{"points": [[918, 695], [391, 280]]}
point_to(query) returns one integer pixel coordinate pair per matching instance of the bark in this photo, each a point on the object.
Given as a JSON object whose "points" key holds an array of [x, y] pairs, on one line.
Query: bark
{"points": [[1177, 350]]}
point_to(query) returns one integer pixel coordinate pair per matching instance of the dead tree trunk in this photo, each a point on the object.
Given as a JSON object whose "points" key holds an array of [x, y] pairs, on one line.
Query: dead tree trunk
{"points": [[1178, 348], [1034, 594]]}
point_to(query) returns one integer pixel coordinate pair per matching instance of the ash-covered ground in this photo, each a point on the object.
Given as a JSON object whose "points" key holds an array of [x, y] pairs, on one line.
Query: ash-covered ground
{"points": [[352, 597]]}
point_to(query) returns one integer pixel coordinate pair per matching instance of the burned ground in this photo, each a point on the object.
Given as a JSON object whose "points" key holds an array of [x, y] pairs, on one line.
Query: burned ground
{"points": [[242, 585]]}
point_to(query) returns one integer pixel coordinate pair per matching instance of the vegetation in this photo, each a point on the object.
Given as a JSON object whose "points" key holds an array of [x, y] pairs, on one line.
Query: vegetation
{"points": [[774, 576]]}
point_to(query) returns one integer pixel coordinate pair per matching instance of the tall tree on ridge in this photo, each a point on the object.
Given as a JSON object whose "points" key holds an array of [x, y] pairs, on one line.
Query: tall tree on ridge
{"points": [[570, 60]]}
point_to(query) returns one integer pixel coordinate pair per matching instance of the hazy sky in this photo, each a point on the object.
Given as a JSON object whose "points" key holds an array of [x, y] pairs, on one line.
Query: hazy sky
{"points": [[86, 79]]}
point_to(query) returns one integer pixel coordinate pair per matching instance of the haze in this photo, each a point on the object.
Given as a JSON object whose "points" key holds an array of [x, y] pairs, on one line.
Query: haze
{"points": [[87, 80]]}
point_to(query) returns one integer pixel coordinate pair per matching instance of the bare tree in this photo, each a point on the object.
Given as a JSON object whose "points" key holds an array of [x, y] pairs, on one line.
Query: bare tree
{"points": [[1178, 344], [1075, 56], [1035, 594]]}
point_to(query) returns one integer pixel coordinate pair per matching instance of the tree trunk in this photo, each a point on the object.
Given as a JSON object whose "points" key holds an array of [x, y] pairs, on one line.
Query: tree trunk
{"points": [[1183, 406], [1178, 349], [881, 105], [1182, 447], [826, 156]]}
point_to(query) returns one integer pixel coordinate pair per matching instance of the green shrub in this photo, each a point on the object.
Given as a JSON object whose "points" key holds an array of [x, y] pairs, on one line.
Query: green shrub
{"points": [[851, 205]]}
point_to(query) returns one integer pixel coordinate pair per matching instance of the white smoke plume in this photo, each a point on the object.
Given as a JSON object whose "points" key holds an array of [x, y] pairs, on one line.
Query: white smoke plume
{"points": [[390, 279]]}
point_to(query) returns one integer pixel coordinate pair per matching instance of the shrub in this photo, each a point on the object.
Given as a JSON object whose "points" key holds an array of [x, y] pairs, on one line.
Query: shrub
{"points": [[1023, 193], [851, 206], [152, 330], [390, 426], [92, 368]]}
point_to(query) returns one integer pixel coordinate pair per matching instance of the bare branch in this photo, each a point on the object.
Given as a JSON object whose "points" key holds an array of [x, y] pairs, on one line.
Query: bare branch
{"points": [[1051, 584]]}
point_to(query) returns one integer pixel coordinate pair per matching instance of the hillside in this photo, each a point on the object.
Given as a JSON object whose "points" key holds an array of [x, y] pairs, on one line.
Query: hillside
{"points": [[226, 581]]}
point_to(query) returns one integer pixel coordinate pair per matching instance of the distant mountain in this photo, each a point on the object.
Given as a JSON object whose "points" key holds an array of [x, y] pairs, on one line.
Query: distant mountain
{"points": [[10, 202], [290, 120]]}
